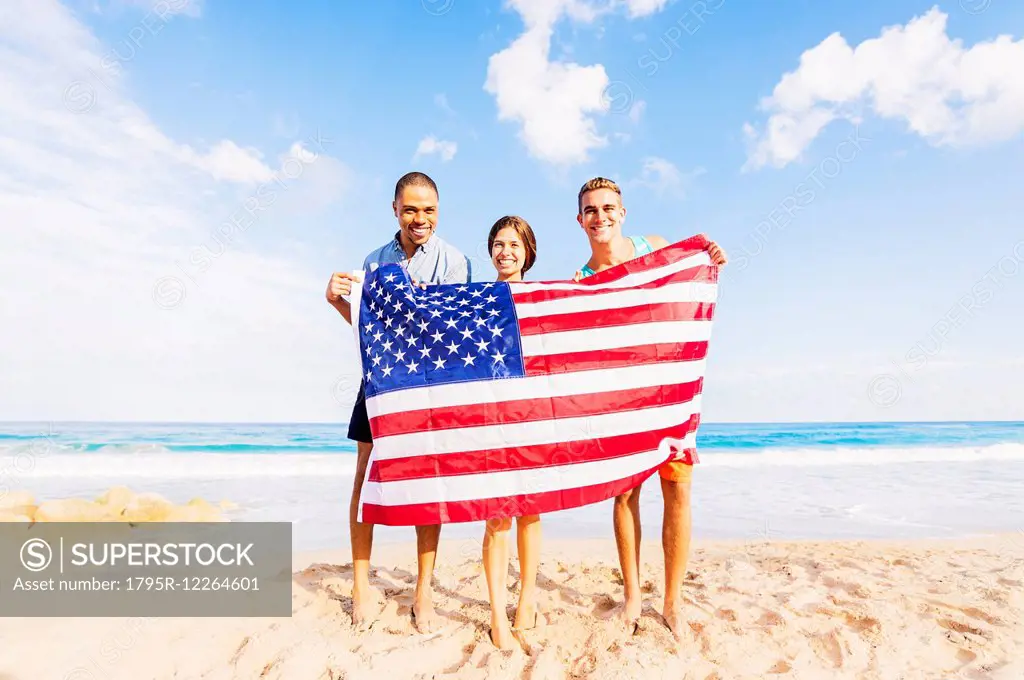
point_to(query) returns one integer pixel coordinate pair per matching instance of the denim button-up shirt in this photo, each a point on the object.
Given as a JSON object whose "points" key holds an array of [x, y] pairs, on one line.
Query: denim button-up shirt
{"points": [[436, 261]]}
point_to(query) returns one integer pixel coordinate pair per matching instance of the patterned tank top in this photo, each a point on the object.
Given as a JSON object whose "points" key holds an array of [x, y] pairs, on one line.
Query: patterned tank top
{"points": [[640, 245]]}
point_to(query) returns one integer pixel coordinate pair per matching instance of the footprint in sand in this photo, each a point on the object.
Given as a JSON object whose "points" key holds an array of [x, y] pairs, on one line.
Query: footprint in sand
{"points": [[862, 623], [828, 648], [959, 627], [966, 656], [854, 589], [583, 665], [701, 636], [975, 613], [606, 607]]}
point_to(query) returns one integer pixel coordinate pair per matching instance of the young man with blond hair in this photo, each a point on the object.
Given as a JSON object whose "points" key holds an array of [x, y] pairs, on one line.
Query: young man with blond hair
{"points": [[601, 215], [428, 259]]}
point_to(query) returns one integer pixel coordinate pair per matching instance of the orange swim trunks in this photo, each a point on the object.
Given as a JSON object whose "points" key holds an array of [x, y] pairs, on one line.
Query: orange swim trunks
{"points": [[676, 471], [680, 468]]}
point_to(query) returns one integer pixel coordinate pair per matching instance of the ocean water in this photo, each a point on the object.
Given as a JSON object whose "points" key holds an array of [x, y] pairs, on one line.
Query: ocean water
{"points": [[754, 481]]}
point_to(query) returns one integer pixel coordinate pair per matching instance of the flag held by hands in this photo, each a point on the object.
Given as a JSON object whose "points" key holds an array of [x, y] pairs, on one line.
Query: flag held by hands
{"points": [[499, 399]]}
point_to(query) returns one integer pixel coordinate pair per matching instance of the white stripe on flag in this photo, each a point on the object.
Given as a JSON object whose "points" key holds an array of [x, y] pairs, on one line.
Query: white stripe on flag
{"points": [[553, 385], [510, 482], [688, 291], [628, 281], [614, 337], [550, 431]]}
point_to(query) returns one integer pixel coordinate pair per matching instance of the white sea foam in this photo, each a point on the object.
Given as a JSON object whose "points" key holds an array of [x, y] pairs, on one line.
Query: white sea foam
{"points": [[864, 456], [153, 461], [167, 465]]}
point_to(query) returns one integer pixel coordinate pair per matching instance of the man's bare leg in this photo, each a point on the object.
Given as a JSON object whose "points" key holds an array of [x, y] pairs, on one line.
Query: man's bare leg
{"points": [[495, 556], [627, 540], [361, 534], [675, 538], [528, 539], [427, 538]]}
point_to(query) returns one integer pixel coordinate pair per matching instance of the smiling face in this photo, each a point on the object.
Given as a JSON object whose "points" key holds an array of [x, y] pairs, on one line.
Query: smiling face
{"points": [[416, 210], [513, 247], [601, 215], [508, 253]]}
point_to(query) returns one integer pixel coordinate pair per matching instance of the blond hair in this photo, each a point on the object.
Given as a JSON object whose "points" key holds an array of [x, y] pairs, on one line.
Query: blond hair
{"points": [[594, 185]]}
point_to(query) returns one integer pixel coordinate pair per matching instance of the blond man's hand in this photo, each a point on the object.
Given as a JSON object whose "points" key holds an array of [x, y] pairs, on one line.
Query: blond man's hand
{"points": [[717, 254]]}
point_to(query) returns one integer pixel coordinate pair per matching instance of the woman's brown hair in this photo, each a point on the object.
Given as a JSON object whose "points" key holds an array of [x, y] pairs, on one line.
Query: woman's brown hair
{"points": [[522, 228]]}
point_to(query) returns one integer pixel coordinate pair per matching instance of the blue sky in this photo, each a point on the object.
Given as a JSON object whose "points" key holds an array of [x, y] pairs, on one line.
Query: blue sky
{"points": [[133, 129]]}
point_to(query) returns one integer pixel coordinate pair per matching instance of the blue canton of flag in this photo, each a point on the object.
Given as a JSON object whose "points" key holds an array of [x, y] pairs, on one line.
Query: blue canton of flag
{"points": [[410, 337]]}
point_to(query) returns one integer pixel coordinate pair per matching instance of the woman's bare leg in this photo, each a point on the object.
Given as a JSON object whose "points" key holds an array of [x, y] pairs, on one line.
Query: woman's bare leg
{"points": [[495, 554], [528, 535]]}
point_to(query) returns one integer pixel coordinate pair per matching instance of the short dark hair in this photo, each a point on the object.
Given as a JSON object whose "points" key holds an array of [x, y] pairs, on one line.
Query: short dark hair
{"points": [[525, 232], [414, 179]]}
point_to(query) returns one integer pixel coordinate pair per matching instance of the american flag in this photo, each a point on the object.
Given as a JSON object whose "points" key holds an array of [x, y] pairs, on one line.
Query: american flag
{"points": [[499, 399]]}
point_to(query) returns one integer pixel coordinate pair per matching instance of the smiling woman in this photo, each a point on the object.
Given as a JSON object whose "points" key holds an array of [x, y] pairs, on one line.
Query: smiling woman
{"points": [[513, 247]]}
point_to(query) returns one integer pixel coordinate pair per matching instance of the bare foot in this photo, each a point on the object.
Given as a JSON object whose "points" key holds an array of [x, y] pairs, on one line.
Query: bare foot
{"points": [[526, 616], [502, 636], [423, 615], [631, 610], [674, 619], [364, 609]]}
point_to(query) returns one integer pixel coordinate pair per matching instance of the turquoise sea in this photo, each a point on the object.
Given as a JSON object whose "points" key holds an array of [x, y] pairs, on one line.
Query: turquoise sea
{"points": [[767, 481]]}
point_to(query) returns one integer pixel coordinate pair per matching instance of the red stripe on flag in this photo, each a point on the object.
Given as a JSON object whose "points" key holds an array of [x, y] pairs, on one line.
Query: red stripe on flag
{"points": [[698, 274], [532, 410], [623, 316], [422, 514], [525, 457], [659, 258], [589, 360]]}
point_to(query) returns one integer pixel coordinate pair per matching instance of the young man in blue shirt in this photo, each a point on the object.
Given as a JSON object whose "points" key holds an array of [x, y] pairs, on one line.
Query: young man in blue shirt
{"points": [[428, 259]]}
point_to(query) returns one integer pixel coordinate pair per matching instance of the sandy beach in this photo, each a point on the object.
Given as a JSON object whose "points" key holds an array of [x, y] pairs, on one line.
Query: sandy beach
{"points": [[878, 609]]}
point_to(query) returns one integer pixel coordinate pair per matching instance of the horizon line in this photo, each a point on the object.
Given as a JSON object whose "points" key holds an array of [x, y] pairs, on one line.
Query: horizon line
{"points": [[345, 423]]}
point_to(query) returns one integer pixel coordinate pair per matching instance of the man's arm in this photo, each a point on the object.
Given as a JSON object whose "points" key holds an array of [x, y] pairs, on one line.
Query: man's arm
{"points": [[345, 309]]}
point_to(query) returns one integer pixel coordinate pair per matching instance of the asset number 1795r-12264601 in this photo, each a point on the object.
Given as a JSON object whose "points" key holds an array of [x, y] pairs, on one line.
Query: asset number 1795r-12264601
{"points": [[187, 583]]}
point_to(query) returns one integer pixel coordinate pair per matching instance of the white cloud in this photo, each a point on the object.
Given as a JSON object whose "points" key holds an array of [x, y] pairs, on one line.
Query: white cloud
{"points": [[106, 219], [642, 8], [665, 179], [441, 102], [637, 110], [285, 126], [553, 102], [431, 145], [192, 8], [227, 161], [946, 93]]}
